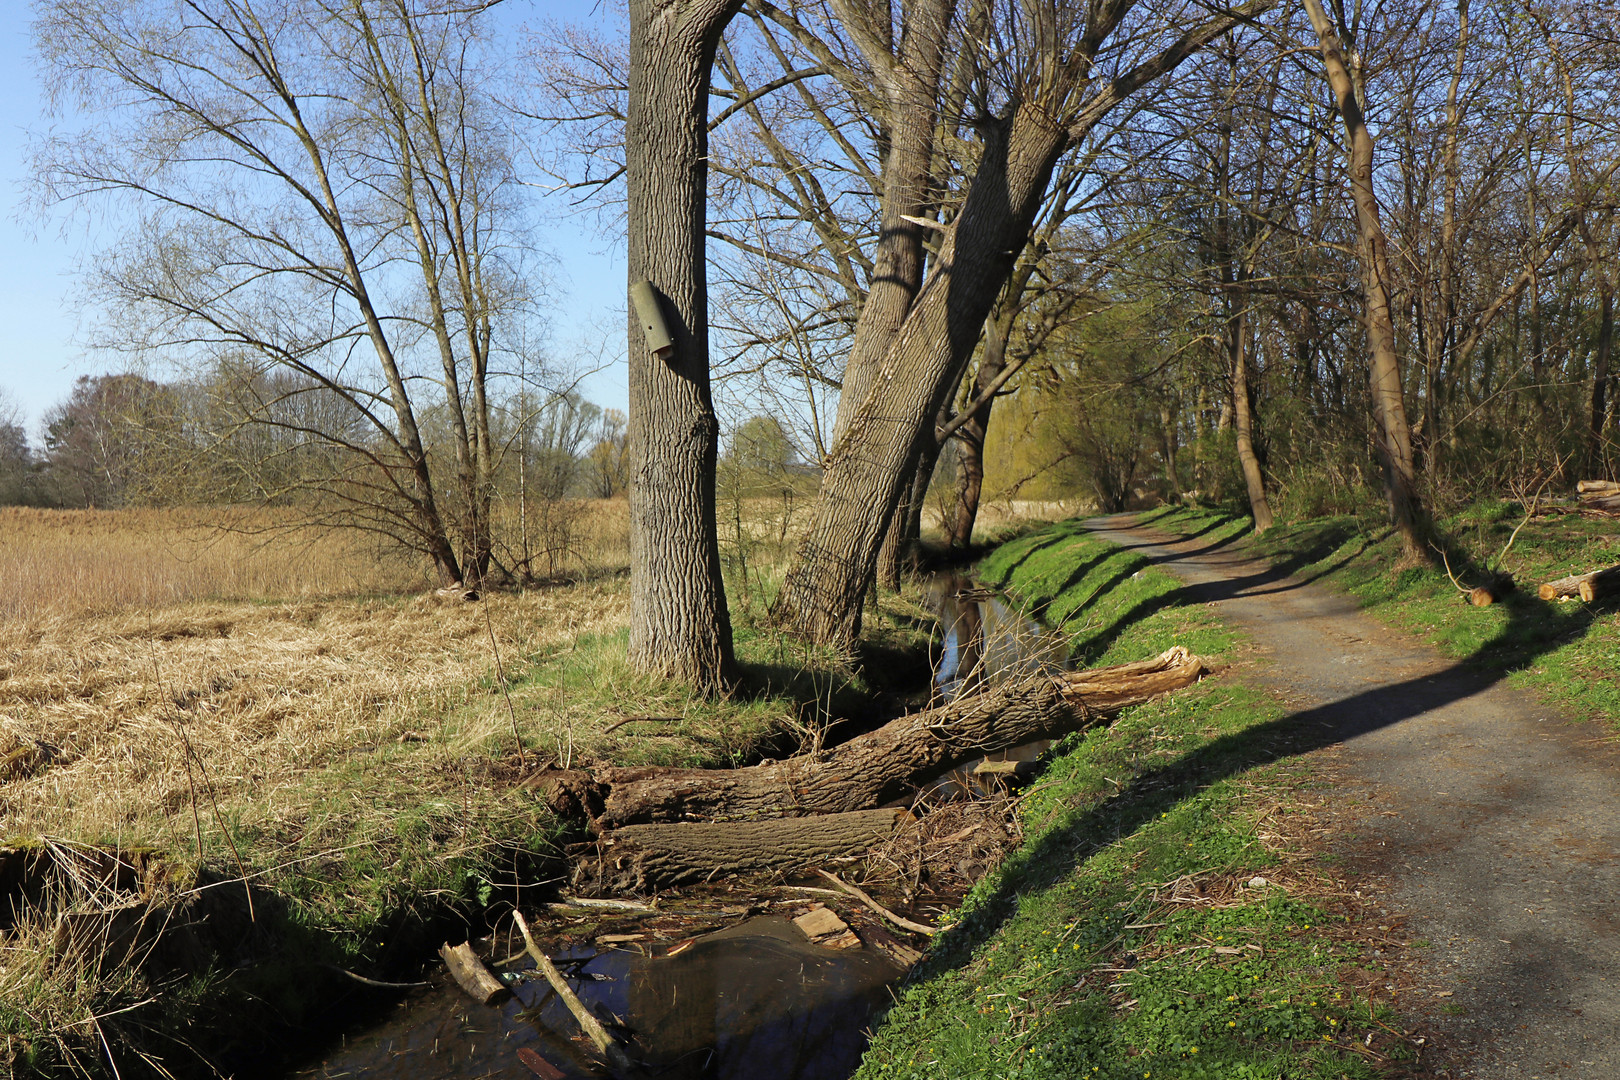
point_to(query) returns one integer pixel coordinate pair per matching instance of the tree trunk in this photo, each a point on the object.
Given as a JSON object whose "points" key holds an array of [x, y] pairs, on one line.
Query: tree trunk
{"points": [[1596, 458], [878, 767], [643, 857], [679, 625], [865, 469], [867, 771], [1242, 412], [1393, 434], [970, 436]]}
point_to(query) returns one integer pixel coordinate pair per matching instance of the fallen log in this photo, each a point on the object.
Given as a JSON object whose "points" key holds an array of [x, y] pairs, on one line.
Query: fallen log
{"points": [[644, 857], [872, 769], [1598, 487], [1608, 502], [869, 770], [1588, 587], [1109, 689], [471, 974]]}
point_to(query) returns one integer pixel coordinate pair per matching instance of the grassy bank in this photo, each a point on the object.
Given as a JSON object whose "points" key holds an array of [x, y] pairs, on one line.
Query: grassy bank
{"points": [[355, 757], [1563, 649], [1128, 938]]}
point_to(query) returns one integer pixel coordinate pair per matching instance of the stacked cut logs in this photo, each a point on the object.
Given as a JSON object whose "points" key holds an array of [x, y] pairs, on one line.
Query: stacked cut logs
{"points": [[1589, 587], [664, 826]]}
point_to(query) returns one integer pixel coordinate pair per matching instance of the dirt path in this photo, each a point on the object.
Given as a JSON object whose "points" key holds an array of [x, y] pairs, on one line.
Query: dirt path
{"points": [[1493, 820]]}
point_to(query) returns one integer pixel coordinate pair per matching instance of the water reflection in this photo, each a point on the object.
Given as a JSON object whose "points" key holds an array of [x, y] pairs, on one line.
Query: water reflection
{"points": [[987, 640], [755, 1000]]}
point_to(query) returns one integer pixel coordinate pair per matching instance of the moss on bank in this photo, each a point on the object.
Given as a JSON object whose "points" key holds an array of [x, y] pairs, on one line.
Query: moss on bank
{"points": [[1124, 940]]}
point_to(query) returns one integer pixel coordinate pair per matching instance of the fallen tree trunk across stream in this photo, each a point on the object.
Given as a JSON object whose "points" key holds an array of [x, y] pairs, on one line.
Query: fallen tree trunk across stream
{"points": [[663, 826], [871, 769]]}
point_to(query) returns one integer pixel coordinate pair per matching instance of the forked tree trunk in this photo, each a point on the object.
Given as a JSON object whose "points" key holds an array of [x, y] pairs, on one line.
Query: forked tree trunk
{"points": [[679, 625], [865, 470], [1394, 434]]}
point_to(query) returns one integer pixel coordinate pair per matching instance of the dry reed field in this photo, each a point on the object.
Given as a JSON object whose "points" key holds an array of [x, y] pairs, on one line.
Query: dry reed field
{"points": [[106, 560]]}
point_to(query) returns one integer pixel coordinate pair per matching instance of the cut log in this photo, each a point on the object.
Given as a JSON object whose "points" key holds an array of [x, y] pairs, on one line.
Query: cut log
{"points": [[642, 857], [1492, 592], [1598, 487], [1588, 587], [1607, 502], [1598, 586], [1109, 689], [471, 974], [869, 770]]}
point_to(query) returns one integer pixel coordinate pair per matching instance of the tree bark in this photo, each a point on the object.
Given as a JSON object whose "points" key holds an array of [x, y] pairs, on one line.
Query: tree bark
{"points": [[866, 467], [1243, 415], [878, 767], [679, 624], [867, 771], [864, 471], [1394, 435], [970, 436], [642, 857]]}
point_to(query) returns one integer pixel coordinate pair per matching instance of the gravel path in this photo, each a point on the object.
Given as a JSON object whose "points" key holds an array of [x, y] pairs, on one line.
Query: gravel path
{"points": [[1494, 820]]}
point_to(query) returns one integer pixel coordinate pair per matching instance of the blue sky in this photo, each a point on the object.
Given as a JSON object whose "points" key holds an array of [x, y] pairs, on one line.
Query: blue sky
{"points": [[40, 327]]}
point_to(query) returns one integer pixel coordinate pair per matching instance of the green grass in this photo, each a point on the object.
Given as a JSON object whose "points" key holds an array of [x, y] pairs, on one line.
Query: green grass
{"points": [[1080, 956], [1566, 650]]}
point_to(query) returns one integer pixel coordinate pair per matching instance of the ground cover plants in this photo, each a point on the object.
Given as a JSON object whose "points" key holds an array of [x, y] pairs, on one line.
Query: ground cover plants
{"points": [[355, 756], [1162, 918]]}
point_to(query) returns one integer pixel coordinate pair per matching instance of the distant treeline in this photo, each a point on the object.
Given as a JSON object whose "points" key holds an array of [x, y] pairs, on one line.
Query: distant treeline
{"points": [[127, 440]]}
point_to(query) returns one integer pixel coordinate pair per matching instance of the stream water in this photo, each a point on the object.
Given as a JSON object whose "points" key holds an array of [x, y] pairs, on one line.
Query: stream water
{"points": [[755, 1000]]}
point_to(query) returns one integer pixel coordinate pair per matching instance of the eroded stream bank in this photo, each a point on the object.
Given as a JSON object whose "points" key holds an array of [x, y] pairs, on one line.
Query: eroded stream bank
{"points": [[720, 983]]}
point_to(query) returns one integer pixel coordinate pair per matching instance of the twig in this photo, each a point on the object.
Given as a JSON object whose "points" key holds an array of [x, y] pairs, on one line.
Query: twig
{"points": [[378, 983], [500, 673], [905, 924], [642, 719], [592, 1027]]}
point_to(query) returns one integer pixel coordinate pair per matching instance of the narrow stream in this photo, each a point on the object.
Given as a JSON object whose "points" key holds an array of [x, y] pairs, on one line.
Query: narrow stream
{"points": [[751, 1001]]}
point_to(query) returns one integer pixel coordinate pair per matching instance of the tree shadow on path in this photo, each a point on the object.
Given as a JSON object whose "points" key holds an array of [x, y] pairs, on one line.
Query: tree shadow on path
{"points": [[1058, 852]]}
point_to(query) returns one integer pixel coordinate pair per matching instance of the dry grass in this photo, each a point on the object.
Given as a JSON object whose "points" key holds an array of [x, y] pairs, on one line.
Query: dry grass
{"points": [[88, 561]]}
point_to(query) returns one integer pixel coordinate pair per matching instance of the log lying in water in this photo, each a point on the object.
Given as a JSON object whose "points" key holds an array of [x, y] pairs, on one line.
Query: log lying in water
{"points": [[875, 768], [1589, 587], [641, 857]]}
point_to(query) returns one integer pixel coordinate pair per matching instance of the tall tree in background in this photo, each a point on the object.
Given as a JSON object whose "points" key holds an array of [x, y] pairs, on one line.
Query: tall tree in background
{"points": [[679, 623], [1394, 434]]}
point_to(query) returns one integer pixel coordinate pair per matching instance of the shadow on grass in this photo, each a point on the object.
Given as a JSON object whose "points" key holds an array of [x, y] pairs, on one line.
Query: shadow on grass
{"points": [[1057, 853]]}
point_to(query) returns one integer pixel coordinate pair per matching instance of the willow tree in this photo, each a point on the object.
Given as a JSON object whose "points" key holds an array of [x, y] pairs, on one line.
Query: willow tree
{"points": [[679, 625], [1058, 70]]}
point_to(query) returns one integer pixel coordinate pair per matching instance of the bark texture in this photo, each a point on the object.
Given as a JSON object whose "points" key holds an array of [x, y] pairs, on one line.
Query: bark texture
{"points": [[1394, 434], [869, 770], [679, 625], [641, 857]]}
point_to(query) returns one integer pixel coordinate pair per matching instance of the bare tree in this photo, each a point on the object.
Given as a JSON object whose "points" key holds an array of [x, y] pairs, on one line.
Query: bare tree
{"points": [[316, 186]]}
